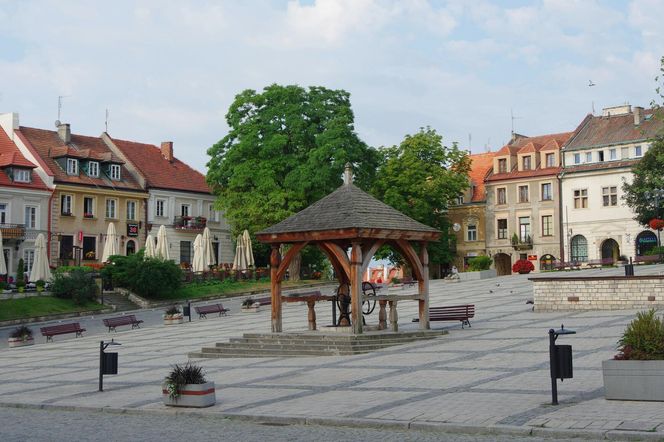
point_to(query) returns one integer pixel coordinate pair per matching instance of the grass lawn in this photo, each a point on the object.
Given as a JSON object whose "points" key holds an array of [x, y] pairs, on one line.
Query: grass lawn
{"points": [[40, 306], [228, 288]]}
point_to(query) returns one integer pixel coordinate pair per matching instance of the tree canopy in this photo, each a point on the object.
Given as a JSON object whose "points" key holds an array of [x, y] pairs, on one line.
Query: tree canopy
{"points": [[286, 148], [420, 177], [647, 177]]}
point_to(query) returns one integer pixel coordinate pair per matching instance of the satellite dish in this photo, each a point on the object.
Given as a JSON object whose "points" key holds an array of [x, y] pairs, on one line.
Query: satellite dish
{"points": [[456, 227], [57, 123]]}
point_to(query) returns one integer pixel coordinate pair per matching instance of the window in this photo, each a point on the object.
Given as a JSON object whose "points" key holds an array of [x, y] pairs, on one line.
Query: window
{"points": [[3, 213], [624, 153], [88, 207], [185, 251], [30, 217], [600, 155], [638, 151], [589, 157], [610, 196], [501, 195], [547, 225], [111, 208], [546, 192], [527, 162], [66, 205], [502, 165], [22, 175], [214, 215], [550, 160], [160, 208], [89, 247], [184, 209], [524, 229], [66, 247], [115, 171], [459, 200], [613, 154], [72, 166], [93, 169], [472, 232], [523, 194], [581, 199], [577, 158], [579, 248], [131, 210], [502, 229], [28, 259]]}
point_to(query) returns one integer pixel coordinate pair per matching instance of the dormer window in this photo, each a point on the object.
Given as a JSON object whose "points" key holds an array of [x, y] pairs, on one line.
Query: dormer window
{"points": [[550, 160], [502, 165], [93, 169], [527, 162], [114, 172], [72, 166], [22, 175]]}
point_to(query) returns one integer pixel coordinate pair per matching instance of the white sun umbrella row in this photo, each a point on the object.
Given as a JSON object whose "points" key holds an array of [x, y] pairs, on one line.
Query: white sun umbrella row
{"points": [[40, 268]]}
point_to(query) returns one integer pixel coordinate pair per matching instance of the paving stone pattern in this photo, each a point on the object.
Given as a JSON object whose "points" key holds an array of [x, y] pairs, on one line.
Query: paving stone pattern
{"points": [[494, 375]]}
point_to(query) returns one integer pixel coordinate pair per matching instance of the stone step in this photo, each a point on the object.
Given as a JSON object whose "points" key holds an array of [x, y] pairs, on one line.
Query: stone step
{"points": [[311, 344], [303, 348], [312, 341]]}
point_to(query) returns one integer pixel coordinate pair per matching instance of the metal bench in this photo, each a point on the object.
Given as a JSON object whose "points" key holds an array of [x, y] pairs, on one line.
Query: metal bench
{"points": [[61, 329], [646, 259], [117, 321], [212, 308], [452, 313]]}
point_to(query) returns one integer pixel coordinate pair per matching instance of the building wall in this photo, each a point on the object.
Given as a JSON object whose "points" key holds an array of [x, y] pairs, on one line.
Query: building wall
{"points": [[466, 215]]}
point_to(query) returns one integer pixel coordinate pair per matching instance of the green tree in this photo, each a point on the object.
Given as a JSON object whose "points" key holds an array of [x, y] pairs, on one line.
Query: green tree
{"points": [[286, 148], [647, 177], [420, 177]]}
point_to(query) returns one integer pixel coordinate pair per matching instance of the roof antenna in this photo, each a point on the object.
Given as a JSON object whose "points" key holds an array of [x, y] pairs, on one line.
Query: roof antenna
{"points": [[60, 97], [348, 174], [513, 118], [106, 121]]}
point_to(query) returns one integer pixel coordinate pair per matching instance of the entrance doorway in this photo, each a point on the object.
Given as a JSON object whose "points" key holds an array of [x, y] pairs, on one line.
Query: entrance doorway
{"points": [[546, 262], [645, 241], [610, 249], [503, 263]]}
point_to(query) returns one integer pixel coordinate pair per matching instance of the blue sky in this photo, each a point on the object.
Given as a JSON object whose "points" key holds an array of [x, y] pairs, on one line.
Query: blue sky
{"points": [[169, 70]]}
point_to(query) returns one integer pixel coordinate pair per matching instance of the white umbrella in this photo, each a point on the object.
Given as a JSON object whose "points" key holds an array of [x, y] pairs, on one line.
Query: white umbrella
{"points": [[208, 251], [112, 244], [240, 261], [162, 244], [149, 247], [248, 251], [3, 264], [40, 268], [199, 255]]}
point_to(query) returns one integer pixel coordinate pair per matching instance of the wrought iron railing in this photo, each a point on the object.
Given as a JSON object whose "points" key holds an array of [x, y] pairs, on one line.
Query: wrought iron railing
{"points": [[190, 222], [13, 231]]}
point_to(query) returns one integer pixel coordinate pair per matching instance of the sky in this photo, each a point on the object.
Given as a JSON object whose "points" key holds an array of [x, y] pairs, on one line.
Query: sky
{"points": [[169, 70]]}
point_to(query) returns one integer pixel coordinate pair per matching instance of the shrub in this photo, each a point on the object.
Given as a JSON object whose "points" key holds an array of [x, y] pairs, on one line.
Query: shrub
{"points": [[68, 269], [182, 375], [656, 250], [172, 310], [79, 286], [20, 274], [248, 302], [523, 266], [478, 263], [151, 277], [643, 339], [22, 331]]}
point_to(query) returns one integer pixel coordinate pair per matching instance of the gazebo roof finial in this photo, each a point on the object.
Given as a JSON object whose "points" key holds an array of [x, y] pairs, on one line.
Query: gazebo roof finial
{"points": [[348, 174]]}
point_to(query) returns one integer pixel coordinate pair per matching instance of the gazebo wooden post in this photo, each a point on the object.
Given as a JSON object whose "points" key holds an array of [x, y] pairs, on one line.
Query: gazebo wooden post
{"points": [[423, 287], [355, 286], [275, 288]]}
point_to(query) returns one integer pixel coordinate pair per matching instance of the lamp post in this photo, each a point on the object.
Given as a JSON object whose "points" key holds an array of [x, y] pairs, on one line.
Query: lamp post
{"points": [[656, 195]]}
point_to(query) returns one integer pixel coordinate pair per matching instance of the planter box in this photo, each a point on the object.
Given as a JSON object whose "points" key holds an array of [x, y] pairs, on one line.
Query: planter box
{"points": [[20, 342], [191, 395], [633, 380], [172, 320], [474, 276], [250, 309]]}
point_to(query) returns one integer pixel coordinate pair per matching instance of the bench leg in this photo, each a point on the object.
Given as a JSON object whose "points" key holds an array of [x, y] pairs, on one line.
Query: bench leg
{"points": [[49, 338], [466, 322]]}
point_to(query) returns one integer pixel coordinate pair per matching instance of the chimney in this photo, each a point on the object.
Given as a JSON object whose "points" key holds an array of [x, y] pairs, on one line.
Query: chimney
{"points": [[638, 115], [64, 132], [348, 174], [167, 150]]}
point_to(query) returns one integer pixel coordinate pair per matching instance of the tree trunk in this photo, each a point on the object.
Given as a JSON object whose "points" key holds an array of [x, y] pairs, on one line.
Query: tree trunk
{"points": [[294, 268]]}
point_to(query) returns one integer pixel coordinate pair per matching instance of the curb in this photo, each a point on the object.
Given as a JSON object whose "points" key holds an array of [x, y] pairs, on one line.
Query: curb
{"points": [[47, 318], [378, 424]]}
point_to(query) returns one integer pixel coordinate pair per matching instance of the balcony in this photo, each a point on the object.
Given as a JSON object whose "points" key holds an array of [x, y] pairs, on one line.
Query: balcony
{"points": [[13, 231], [522, 243], [190, 222]]}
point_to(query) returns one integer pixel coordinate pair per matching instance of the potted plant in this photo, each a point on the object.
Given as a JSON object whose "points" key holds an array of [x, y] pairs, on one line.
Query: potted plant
{"points": [[21, 336], [186, 386], [636, 372], [523, 266], [250, 306], [173, 315], [39, 285], [20, 276]]}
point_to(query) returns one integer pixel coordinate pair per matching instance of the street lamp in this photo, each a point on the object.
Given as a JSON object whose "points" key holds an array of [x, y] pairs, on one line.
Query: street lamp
{"points": [[656, 195]]}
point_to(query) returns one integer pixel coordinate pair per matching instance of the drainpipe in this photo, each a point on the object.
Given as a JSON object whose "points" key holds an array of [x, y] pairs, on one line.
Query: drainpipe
{"points": [[49, 234], [561, 231]]}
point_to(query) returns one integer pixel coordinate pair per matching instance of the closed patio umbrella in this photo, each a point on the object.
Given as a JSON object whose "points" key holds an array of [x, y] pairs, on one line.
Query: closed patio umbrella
{"points": [[149, 247], [112, 244], [208, 249], [40, 269], [198, 265], [240, 261], [3, 264], [162, 244], [248, 250]]}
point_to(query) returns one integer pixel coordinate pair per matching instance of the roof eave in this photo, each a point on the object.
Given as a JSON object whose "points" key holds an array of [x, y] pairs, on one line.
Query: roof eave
{"points": [[328, 235]]}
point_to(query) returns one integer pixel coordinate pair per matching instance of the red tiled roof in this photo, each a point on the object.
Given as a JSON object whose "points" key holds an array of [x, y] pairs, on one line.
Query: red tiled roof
{"points": [[600, 166], [480, 165], [528, 148], [550, 145], [48, 145], [10, 155], [158, 171]]}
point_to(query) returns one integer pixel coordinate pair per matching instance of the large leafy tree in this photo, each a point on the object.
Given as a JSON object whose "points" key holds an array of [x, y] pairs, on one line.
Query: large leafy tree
{"points": [[420, 177], [286, 148], [647, 177]]}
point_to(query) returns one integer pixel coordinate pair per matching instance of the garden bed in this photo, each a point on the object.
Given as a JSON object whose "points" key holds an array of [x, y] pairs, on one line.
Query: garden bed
{"points": [[42, 306]]}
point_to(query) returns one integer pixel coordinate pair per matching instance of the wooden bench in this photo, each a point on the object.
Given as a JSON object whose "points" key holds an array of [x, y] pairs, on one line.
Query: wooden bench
{"points": [[646, 259], [264, 301], [452, 313], [212, 308], [117, 321], [61, 329]]}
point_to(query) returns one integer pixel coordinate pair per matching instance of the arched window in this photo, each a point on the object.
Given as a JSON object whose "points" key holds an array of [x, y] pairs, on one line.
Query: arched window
{"points": [[131, 247], [579, 248], [645, 241]]}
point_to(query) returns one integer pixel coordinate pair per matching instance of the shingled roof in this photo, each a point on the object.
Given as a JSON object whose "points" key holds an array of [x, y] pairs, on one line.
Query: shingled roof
{"points": [[348, 207]]}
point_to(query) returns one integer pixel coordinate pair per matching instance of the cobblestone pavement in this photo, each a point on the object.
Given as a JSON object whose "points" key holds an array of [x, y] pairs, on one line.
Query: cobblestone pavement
{"points": [[492, 377]]}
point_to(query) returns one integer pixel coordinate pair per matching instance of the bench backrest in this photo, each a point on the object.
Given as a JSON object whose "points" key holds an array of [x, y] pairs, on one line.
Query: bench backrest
{"points": [[465, 310], [74, 326]]}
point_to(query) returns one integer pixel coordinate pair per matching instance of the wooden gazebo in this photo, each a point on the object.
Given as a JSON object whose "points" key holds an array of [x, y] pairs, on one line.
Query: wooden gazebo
{"points": [[350, 218]]}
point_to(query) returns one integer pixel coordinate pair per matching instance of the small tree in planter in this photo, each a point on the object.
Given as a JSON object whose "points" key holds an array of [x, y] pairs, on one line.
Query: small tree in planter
{"points": [[186, 386], [20, 276], [173, 315], [40, 284], [479, 263], [523, 266], [249, 305], [21, 336]]}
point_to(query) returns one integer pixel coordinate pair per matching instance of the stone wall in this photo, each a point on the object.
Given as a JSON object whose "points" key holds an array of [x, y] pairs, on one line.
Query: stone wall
{"points": [[598, 293]]}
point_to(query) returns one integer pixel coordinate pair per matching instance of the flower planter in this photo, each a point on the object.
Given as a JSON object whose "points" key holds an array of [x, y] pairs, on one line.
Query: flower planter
{"points": [[20, 342], [191, 395], [633, 380], [173, 319], [253, 309]]}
